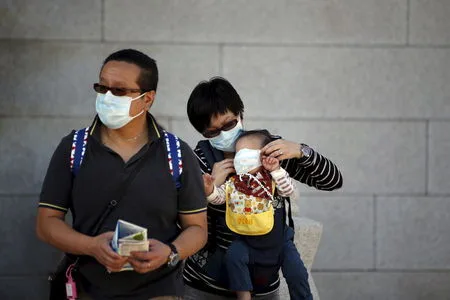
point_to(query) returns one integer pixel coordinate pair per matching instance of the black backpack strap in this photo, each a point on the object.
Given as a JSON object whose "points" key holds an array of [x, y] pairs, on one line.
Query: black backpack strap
{"points": [[174, 158], [78, 150]]}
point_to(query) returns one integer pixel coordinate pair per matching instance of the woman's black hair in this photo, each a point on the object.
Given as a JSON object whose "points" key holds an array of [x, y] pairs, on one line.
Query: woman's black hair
{"points": [[211, 98]]}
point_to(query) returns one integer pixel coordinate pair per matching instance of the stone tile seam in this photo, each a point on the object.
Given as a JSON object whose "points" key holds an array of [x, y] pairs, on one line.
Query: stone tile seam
{"points": [[102, 16], [374, 224], [235, 44], [331, 119], [253, 118], [427, 158], [408, 21], [382, 271], [221, 59]]}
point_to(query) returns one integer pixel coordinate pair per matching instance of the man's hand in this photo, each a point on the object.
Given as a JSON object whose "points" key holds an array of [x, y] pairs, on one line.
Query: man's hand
{"points": [[221, 170], [282, 149], [208, 182], [104, 254], [270, 163], [147, 261]]}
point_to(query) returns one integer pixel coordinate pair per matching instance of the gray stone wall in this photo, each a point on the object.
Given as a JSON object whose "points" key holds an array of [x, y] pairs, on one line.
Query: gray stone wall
{"points": [[365, 82]]}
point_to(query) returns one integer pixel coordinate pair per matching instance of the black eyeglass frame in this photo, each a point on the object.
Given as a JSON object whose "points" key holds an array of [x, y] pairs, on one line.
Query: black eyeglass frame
{"points": [[226, 127], [103, 89]]}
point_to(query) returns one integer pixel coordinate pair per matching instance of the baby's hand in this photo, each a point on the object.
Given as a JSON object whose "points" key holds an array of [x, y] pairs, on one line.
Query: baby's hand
{"points": [[208, 182], [270, 163]]}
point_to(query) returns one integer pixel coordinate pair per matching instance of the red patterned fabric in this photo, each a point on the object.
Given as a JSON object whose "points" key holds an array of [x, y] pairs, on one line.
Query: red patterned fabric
{"points": [[249, 186]]}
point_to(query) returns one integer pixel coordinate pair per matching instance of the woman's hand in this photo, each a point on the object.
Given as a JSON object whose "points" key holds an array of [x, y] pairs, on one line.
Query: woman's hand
{"points": [[282, 149], [221, 170]]}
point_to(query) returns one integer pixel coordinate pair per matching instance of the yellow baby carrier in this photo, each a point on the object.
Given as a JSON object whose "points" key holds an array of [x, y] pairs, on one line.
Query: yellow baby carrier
{"points": [[249, 209]]}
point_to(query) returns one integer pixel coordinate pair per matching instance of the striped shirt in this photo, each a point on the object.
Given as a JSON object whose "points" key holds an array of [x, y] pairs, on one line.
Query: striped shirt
{"points": [[316, 171]]}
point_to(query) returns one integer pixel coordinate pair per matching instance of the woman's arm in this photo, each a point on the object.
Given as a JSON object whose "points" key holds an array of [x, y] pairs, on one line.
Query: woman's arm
{"points": [[316, 170]]}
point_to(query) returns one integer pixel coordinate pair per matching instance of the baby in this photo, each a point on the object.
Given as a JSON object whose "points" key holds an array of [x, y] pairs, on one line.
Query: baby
{"points": [[258, 178]]}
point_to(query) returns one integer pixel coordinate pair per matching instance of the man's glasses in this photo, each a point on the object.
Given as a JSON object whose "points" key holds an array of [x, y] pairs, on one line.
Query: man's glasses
{"points": [[227, 126], [103, 89]]}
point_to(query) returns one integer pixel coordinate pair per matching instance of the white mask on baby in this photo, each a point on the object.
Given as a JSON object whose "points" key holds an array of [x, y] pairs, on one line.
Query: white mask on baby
{"points": [[246, 160]]}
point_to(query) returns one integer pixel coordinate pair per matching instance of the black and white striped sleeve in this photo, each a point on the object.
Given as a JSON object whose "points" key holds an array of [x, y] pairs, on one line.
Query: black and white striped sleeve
{"points": [[202, 160], [316, 171]]}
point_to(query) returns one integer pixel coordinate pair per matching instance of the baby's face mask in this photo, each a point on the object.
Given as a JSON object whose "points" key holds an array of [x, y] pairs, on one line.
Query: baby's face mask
{"points": [[247, 160]]}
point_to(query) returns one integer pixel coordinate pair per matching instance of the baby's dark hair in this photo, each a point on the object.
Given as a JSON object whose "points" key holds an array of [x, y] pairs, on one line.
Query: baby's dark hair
{"points": [[263, 134]]}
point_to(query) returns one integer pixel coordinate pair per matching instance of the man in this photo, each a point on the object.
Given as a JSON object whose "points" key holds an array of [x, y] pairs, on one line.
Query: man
{"points": [[215, 109], [122, 137]]}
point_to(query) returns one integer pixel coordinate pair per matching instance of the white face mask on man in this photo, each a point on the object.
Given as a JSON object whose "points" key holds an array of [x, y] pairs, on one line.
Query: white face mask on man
{"points": [[246, 160], [114, 111]]}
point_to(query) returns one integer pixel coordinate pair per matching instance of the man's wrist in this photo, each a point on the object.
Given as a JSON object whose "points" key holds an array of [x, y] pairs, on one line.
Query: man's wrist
{"points": [[174, 257], [90, 244], [169, 251]]}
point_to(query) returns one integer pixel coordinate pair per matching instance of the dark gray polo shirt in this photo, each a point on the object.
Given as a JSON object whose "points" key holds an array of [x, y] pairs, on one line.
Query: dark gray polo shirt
{"points": [[151, 201]]}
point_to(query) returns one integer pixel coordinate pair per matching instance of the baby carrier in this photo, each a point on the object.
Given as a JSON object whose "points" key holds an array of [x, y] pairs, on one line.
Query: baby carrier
{"points": [[249, 209], [264, 271]]}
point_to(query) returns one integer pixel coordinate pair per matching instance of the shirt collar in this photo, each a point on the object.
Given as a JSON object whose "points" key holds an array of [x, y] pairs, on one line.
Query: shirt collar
{"points": [[154, 130]]}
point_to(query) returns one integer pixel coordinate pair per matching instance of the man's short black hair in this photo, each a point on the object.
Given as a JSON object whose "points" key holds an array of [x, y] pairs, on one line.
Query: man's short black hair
{"points": [[148, 78], [262, 134], [212, 98]]}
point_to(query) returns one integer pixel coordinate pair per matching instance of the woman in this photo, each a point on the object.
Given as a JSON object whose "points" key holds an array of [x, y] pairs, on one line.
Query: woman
{"points": [[216, 111]]}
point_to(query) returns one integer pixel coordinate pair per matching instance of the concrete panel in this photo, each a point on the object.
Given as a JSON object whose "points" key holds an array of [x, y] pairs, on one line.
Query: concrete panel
{"points": [[26, 146], [429, 22], [386, 286], [22, 252], [184, 129], [51, 19], [23, 288], [48, 78], [340, 82], [181, 68], [257, 21], [439, 162], [412, 233], [347, 239], [374, 157], [57, 78]]}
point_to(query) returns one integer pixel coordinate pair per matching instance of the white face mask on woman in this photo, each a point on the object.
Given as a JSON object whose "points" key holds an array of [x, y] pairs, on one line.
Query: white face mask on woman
{"points": [[226, 139], [114, 111], [246, 160]]}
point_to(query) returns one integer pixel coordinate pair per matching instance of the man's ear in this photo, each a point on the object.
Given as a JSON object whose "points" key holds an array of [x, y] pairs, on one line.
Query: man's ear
{"points": [[149, 98]]}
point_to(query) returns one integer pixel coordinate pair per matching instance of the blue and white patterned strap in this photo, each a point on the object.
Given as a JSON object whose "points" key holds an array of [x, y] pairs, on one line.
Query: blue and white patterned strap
{"points": [[78, 149], [174, 157]]}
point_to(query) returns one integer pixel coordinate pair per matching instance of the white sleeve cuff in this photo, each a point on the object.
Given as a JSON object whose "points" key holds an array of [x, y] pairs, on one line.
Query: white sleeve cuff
{"points": [[213, 195], [278, 174]]}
